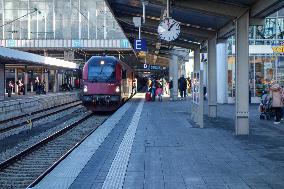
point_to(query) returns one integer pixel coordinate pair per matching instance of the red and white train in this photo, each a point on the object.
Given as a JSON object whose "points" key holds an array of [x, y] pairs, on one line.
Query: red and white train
{"points": [[107, 83]]}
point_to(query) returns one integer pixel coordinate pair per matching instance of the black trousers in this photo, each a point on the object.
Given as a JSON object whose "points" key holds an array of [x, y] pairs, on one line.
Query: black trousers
{"points": [[278, 113]]}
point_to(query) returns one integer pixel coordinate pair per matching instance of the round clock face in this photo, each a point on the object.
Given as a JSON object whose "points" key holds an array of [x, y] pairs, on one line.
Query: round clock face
{"points": [[169, 29]]}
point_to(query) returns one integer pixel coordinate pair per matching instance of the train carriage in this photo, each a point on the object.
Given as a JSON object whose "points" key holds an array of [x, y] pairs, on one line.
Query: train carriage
{"points": [[107, 83]]}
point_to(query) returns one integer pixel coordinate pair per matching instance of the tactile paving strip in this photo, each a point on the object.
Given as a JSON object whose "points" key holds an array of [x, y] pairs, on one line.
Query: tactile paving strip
{"points": [[116, 174]]}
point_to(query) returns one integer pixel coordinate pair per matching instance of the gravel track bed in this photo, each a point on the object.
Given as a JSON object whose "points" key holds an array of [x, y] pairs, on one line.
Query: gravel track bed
{"points": [[29, 141], [36, 115], [39, 122], [22, 173]]}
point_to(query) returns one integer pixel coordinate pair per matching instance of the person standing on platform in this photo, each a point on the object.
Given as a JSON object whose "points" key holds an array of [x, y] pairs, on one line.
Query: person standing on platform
{"points": [[159, 92], [182, 87], [171, 88], [10, 88], [37, 86], [277, 101], [153, 89], [21, 87]]}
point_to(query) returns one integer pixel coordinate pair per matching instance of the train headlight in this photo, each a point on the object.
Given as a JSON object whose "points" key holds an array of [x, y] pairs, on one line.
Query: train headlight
{"points": [[85, 89], [117, 89]]}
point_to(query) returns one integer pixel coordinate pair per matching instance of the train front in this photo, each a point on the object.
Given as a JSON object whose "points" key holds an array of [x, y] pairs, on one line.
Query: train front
{"points": [[101, 84]]}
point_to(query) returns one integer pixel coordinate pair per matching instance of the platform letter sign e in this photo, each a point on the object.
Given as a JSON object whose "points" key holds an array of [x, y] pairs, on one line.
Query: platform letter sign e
{"points": [[140, 45]]}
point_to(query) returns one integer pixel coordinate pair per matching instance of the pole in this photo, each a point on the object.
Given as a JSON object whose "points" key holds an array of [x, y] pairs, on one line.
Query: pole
{"points": [[139, 32], [143, 4], [168, 8]]}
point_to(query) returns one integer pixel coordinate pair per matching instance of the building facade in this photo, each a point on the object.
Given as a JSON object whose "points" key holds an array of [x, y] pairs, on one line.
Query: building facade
{"points": [[265, 64], [59, 24]]}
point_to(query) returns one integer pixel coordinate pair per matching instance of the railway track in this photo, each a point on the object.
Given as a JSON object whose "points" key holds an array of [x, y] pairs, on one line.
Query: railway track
{"points": [[22, 169], [19, 121]]}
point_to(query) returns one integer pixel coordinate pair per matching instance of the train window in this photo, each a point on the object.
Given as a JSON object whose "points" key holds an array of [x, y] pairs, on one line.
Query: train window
{"points": [[101, 73], [124, 74]]}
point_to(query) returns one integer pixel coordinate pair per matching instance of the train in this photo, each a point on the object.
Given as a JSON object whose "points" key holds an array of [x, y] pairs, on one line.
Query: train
{"points": [[107, 83]]}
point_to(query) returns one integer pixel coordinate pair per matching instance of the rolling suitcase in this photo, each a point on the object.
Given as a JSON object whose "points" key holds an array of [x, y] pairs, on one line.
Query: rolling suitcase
{"points": [[148, 96]]}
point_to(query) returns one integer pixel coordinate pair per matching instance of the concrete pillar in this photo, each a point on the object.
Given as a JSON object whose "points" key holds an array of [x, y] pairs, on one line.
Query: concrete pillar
{"points": [[42, 76], [26, 81], [46, 82], [212, 78], [222, 76], [242, 77], [196, 60], [56, 85], [16, 79], [2, 81], [174, 70]]}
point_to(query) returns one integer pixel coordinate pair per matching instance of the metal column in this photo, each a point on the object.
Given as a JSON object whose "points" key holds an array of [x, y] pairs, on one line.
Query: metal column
{"points": [[46, 82], [56, 85], [196, 60], [212, 78], [16, 79], [174, 72], [2, 81], [242, 76], [26, 80], [222, 76]]}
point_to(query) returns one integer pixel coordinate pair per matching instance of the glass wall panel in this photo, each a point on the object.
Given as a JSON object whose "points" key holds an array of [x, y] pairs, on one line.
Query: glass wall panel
{"points": [[57, 19]]}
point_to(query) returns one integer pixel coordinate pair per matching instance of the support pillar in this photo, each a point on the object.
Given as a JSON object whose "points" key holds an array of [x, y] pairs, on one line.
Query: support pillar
{"points": [[46, 82], [56, 85], [174, 72], [212, 78], [2, 81], [196, 60], [16, 79], [242, 77], [222, 76], [26, 81]]}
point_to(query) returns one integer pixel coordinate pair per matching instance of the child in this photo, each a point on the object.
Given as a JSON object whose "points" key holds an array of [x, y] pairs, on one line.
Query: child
{"points": [[159, 92]]}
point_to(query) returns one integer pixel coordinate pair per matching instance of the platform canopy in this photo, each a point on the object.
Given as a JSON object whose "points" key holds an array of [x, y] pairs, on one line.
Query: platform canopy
{"points": [[200, 20], [15, 57]]}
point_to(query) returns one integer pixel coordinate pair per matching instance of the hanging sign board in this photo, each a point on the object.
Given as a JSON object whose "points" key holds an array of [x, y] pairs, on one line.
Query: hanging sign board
{"points": [[140, 45]]}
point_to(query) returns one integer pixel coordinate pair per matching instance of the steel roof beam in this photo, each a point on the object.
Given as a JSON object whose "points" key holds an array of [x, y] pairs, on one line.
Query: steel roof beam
{"points": [[185, 30], [151, 37], [264, 8], [208, 7]]}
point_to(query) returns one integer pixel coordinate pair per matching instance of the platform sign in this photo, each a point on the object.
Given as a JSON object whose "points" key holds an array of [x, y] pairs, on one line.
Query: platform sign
{"points": [[140, 45], [146, 66], [155, 67], [76, 43], [11, 43], [124, 43]]}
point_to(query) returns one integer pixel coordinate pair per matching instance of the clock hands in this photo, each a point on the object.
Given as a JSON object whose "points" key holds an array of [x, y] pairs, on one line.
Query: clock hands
{"points": [[172, 26]]}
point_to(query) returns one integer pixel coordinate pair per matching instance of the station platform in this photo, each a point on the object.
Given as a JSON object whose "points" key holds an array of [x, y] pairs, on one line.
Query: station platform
{"points": [[153, 145], [18, 105]]}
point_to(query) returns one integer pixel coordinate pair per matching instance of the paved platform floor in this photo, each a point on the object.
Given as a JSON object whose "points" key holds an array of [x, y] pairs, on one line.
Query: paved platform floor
{"points": [[170, 153]]}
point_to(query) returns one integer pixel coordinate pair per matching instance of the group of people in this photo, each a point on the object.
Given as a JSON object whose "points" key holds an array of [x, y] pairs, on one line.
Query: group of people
{"points": [[159, 87], [11, 86], [39, 86], [156, 87]]}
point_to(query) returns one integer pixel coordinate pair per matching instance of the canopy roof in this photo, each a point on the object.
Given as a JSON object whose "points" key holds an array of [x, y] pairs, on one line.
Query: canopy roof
{"points": [[199, 19], [15, 57]]}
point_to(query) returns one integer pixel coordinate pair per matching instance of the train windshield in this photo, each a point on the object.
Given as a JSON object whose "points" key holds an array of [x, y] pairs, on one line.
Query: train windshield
{"points": [[101, 73]]}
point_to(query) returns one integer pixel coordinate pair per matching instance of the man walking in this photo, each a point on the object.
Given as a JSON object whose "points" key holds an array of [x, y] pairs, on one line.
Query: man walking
{"points": [[182, 87]]}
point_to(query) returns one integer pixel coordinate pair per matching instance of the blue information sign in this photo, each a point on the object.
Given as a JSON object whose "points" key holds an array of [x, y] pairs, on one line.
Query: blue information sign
{"points": [[76, 43], [140, 45], [124, 43], [155, 67]]}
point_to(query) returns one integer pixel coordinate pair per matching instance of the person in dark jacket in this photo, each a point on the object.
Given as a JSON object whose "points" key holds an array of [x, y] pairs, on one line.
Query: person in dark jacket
{"points": [[10, 88], [182, 87]]}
